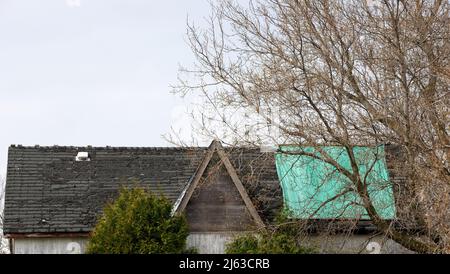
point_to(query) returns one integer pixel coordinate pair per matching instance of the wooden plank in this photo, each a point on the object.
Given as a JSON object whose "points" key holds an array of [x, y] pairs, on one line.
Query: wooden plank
{"points": [[217, 205], [240, 187], [198, 175]]}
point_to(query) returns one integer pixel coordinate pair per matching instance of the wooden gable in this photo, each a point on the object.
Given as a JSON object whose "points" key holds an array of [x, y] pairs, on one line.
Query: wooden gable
{"points": [[215, 199]]}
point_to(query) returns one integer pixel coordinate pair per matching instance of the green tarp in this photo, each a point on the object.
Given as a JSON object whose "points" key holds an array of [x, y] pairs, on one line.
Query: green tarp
{"points": [[313, 189]]}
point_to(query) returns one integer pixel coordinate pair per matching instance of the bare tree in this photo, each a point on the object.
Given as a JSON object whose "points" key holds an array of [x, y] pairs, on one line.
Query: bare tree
{"points": [[342, 72]]}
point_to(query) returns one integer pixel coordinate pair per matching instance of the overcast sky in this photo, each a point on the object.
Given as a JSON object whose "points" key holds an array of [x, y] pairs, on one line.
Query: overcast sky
{"points": [[91, 72]]}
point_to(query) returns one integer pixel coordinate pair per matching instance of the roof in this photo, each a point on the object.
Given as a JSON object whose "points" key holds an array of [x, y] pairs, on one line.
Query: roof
{"points": [[314, 189], [47, 191]]}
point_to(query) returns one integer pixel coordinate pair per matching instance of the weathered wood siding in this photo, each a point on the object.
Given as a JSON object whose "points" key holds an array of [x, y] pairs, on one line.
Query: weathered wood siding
{"points": [[216, 206], [49, 245], [209, 243]]}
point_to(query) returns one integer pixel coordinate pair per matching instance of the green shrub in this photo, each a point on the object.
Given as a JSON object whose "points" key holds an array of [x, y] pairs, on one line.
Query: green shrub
{"points": [[243, 244], [139, 222], [267, 243], [283, 238]]}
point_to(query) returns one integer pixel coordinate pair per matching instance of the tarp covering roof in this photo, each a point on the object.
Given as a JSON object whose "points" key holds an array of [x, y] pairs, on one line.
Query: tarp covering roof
{"points": [[315, 189]]}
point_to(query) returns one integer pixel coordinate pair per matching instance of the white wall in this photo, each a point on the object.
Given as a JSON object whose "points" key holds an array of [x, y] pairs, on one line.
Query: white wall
{"points": [[50, 245], [214, 243], [4, 247], [205, 243], [356, 244], [209, 243]]}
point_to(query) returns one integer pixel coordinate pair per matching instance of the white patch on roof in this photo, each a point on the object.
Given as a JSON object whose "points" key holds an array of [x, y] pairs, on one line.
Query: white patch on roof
{"points": [[82, 156]]}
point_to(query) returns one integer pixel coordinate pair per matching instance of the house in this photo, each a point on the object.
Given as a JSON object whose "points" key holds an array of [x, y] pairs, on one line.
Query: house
{"points": [[54, 195]]}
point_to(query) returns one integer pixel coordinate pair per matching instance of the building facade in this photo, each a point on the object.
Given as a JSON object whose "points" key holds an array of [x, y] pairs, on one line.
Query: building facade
{"points": [[54, 195]]}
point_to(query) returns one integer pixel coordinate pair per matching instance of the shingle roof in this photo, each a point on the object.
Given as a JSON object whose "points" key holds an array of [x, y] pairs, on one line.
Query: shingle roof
{"points": [[47, 191]]}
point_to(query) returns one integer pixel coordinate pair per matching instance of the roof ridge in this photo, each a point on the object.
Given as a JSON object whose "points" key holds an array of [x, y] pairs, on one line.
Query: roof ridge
{"points": [[106, 147], [126, 147]]}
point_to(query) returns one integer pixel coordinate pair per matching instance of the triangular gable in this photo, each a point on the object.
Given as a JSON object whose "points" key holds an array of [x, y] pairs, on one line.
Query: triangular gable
{"points": [[216, 147]]}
